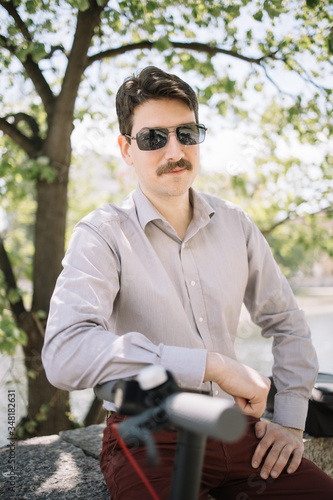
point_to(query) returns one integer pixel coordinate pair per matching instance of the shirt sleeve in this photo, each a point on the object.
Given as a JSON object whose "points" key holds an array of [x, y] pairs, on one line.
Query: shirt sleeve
{"points": [[273, 307], [80, 350]]}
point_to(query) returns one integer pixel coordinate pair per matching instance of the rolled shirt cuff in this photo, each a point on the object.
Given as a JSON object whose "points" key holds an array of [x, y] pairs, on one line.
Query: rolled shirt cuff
{"points": [[290, 411], [186, 364]]}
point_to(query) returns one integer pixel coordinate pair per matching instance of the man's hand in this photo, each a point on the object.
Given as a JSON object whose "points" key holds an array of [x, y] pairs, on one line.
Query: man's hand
{"points": [[282, 444], [248, 387]]}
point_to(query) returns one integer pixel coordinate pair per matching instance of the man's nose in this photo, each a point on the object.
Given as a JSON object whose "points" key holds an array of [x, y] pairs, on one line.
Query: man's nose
{"points": [[173, 149]]}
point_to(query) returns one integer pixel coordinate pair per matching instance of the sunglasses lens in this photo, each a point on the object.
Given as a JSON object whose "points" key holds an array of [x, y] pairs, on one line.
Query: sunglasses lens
{"points": [[156, 138], [189, 135], [151, 139]]}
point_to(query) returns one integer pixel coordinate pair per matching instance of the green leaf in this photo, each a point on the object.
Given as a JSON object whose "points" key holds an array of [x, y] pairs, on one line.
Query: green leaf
{"points": [[10, 335], [258, 16], [81, 5], [312, 4], [163, 43], [330, 42], [13, 296]]}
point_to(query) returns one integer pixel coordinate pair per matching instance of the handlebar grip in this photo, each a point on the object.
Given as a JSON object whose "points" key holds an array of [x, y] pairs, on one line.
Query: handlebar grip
{"points": [[105, 391], [214, 417]]}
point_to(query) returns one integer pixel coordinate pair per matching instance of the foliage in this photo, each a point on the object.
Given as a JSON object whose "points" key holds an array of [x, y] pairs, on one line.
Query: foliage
{"points": [[96, 179], [296, 237], [10, 335], [204, 38]]}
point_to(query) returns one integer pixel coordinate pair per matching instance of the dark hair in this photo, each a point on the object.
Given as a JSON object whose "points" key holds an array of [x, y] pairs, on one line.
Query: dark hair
{"points": [[151, 84]]}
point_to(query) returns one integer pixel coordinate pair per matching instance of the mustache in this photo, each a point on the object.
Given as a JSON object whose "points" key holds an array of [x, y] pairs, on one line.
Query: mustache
{"points": [[171, 165]]}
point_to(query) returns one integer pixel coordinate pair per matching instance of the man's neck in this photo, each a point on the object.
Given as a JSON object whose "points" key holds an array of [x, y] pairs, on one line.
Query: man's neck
{"points": [[177, 210]]}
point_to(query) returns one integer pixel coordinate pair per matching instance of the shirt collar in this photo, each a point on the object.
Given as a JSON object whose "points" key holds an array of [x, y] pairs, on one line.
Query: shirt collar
{"points": [[146, 212], [202, 210], [202, 213]]}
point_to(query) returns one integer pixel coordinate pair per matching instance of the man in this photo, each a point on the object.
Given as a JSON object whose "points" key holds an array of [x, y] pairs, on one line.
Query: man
{"points": [[160, 279]]}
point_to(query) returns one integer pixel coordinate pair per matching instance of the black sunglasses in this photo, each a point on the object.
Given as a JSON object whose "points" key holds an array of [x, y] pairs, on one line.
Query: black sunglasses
{"points": [[150, 139]]}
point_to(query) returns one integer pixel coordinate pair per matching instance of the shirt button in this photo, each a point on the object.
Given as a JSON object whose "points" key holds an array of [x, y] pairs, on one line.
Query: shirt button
{"points": [[193, 283], [200, 319], [183, 246], [216, 393]]}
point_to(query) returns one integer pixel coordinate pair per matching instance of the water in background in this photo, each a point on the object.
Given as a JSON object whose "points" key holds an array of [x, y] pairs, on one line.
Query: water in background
{"points": [[251, 349]]}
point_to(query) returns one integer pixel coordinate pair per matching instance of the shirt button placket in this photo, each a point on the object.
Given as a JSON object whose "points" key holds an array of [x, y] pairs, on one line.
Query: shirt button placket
{"points": [[194, 289]]}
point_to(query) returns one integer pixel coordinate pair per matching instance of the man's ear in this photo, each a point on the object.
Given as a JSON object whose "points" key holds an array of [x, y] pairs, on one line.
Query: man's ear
{"points": [[125, 149]]}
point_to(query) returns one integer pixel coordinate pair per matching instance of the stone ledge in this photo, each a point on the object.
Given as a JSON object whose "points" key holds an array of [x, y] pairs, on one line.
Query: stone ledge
{"points": [[320, 451], [50, 468], [66, 467]]}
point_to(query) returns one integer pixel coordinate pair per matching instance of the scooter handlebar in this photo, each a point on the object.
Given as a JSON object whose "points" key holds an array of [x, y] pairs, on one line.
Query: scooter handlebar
{"points": [[199, 413], [105, 391], [214, 417]]}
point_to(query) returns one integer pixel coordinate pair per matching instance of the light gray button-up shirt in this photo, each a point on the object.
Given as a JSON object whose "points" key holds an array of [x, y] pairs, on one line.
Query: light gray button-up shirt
{"points": [[133, 293]]}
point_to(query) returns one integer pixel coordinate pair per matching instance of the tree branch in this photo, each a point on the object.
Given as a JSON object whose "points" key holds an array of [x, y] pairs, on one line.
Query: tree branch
{"points": [[7, 44], [54, 49], [307, 78], [196, 46], [326, 210], [276, 85], [265, 232], [9, 7], [32, 68], [30, 120], [26, 320], [29, 145], [17, 307], [77, 60]]}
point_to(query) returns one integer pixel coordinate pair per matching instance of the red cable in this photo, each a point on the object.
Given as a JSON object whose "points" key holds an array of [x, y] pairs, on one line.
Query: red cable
{"points": [[136, 466]]}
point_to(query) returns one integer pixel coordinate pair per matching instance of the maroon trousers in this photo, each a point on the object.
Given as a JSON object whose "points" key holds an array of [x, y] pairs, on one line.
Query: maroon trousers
{"points": [[227, 473]]}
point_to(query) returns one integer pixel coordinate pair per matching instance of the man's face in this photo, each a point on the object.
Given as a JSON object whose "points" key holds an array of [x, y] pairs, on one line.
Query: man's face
{"points": [[159, 173]]}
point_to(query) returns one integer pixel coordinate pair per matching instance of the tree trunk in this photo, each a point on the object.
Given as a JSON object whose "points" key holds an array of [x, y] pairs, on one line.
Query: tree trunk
{"points": [[49, 240], [48, 407]]}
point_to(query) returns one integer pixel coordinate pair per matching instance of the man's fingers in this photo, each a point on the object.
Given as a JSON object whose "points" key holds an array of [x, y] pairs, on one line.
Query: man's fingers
{"points": [[249, 408], [276, 461], [260, 429], [262, 448], [279, 446], [274, 469], [296, 460]]}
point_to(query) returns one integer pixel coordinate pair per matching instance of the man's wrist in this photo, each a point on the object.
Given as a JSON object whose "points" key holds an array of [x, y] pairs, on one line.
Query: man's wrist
{"points": [[297, 432], [213, 367]]}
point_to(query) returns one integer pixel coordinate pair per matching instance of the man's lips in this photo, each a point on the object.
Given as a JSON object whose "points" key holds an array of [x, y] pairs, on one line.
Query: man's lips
{"points": [[176, 171], [174, 167]]}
